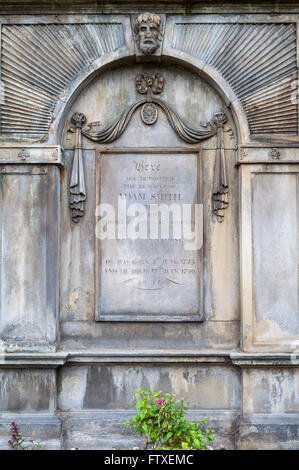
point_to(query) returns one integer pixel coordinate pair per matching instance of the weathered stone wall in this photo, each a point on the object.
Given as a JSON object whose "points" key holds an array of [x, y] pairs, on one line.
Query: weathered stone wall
{"points": [[67, 371]]}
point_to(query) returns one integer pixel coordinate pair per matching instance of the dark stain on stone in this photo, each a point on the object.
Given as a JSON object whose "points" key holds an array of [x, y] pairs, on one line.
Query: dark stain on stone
{"points": [[186, 375], [43, 397], [100, 392], [26, 394], [165, 382]]}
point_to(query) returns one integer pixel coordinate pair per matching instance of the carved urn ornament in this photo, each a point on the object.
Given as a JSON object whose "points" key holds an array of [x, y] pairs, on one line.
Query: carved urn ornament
{"points": [[151, 86], [148, 85], [148, 33]]}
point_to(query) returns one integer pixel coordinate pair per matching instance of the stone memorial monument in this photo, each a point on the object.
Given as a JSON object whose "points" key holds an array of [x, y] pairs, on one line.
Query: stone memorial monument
{"points": [[149, 177]]}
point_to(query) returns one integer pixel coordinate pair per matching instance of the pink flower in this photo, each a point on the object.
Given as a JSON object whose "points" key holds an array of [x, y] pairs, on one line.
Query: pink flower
{"points": [[159, 401]]}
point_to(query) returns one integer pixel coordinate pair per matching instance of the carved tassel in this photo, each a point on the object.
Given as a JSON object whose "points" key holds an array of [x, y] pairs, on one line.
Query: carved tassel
{"points": [[77, 182], [220, 185]]}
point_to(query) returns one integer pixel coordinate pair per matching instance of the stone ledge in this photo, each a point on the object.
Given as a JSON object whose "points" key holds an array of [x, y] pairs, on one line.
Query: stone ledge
{"points": [[273, 153], [149, 356], [264, 359], [53, 360], [115, 357], [34, 418], [31, 155], [23, 360]]}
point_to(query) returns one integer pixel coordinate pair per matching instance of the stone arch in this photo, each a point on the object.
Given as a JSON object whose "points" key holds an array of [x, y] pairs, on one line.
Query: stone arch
{"points": [[213, 77]]}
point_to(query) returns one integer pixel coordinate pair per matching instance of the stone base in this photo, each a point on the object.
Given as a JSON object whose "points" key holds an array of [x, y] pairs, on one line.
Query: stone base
{"points": [[100, 430], [39, 427], [80, 399], [268, 432]]}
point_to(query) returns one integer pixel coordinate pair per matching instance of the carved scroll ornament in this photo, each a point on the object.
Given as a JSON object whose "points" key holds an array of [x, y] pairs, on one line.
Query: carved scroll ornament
{"points": [[151, 86]]}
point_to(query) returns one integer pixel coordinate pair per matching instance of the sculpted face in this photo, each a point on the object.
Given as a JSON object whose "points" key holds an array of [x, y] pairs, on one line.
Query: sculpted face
{"points": [[148, 37], [148, 34]]}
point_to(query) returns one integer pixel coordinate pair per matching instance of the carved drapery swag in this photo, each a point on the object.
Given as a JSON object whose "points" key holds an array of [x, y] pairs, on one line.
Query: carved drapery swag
{"points": [[150, 86]]}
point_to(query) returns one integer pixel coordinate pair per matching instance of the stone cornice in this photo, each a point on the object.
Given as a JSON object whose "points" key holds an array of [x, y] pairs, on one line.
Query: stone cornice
{"points": [[264, 359], [32, 155], [268, 154], [54, 360], [23, 360], [165, 6]]}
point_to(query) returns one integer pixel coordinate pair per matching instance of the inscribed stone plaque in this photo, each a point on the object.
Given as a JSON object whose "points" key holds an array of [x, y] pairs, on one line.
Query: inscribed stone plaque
{"points": [[148, 272]]}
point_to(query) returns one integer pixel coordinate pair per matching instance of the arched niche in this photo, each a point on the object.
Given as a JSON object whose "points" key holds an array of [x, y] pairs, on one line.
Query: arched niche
{"points": [[112, 61], [196, 101]]}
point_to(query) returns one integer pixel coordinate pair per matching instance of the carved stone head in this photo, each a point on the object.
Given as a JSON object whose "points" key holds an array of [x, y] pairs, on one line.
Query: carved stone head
{"points": [[148, 32]]}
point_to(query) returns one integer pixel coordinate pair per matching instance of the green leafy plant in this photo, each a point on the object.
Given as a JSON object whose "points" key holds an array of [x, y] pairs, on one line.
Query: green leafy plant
{"points": [[161, 421], [17, 441]]}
